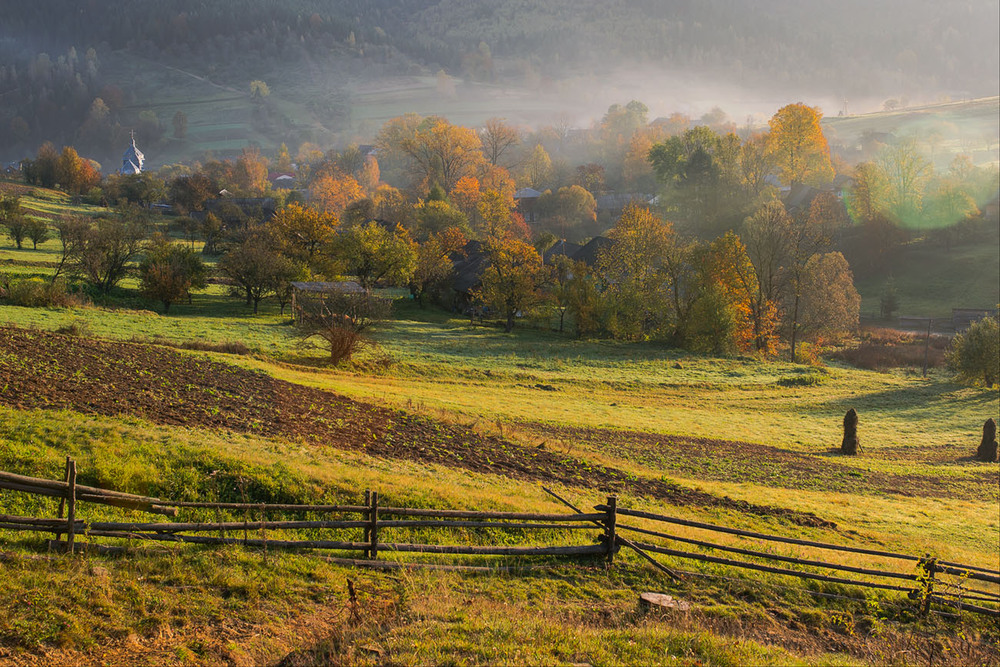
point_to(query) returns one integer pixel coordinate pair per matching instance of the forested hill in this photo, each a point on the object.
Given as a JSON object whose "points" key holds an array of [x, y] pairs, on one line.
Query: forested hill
{"points": [[855, 45], [57, 56]]}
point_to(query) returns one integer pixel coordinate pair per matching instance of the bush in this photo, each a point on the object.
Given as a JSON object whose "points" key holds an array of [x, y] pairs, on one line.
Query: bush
{"points": [[35, 293], [975, 354]]}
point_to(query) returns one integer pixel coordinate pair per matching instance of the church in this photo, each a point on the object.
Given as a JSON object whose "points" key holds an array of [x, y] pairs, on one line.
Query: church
{"points": [[132, 159]]}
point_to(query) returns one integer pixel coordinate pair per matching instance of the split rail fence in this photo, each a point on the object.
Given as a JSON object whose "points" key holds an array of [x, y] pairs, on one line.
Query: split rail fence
{"points": [[928, 580]]}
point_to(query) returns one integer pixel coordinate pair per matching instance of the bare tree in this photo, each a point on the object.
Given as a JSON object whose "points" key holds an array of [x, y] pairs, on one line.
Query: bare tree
{"points": [[342, 321], [497, 137]]}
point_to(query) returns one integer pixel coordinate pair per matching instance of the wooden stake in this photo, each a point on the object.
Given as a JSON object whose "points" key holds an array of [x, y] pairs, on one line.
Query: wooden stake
{"points": [[71, 509], [62, 501], [368, 515], [610, 532], [373, 535]]}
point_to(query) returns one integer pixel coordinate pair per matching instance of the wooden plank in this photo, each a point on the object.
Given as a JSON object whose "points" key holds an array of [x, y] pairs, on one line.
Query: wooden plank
{"points": [[768, 568], [760, 554], [496, 551], [959, 570], [71, 506], [514, 516]]}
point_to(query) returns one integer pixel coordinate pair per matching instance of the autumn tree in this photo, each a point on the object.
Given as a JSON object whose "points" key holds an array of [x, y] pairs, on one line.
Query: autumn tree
{"points": [[169, 271], [498, 138], [721, 317], [572, 211], [632, 269], [798, 146], [809, 234], [434, 217], [437, 151], [376, 255], [766, 235], [830, 304], [250, 172], [189, 193], [537, 170], [433, 266], [333, 192], [302, 232], [75, 174], [511, 281]]}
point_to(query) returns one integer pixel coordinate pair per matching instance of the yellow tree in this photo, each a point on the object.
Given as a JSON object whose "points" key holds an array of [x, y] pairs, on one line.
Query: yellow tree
{"points": [[439, 152], [250, 172], [510, 284], [304, 231], [798, 146]]}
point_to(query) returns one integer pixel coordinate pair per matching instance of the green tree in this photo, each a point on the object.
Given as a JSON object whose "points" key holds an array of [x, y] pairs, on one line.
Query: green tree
{"points": [[169, 271], [37, 231], [103, 252], [12, 217], [975, 354], [830, 305], [256, 270]]}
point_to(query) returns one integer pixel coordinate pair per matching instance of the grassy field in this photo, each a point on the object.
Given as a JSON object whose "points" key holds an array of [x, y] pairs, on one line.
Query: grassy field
{"points": [[763, 432]]}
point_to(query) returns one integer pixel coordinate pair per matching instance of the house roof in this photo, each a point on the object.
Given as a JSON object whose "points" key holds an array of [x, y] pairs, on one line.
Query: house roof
{"points": [[563, 248], [527, 193], [588, 253], [341, 287]]}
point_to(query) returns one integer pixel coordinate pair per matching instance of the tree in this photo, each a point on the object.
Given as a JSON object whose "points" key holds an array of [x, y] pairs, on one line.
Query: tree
{"points": [[102, 252], [250, 172], [538, 169], [433, 264], [721, 314], [632, 269], [510, 284], [75, 174], [259, 91], [572, 211], [497, 138], [256, 270], [438, 152], [169, 271], [376, 255], [191, 192], [905, 174], [830, 304], [302, 231], [13, 218], [975, 354], [767, 235], [798, 146], [808, 236], [37, 231], [437, 216], [333, 193], [342, 321]]}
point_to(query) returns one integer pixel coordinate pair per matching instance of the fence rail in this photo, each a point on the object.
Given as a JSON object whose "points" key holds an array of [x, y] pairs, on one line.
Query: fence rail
{"points": [[924, 583]]}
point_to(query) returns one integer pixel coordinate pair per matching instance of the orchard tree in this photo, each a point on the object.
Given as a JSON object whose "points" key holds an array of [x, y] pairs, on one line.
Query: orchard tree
{"points": [[798, 146], [256, 270], [169, 271]]}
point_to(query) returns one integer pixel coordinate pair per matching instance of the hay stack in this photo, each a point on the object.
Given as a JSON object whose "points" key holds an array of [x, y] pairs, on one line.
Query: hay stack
{"points": [[851, 445], [988, 447]]}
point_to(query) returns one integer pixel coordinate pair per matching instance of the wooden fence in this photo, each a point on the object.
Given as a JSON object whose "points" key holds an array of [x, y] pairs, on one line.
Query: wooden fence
{"points": [[928, 580]]}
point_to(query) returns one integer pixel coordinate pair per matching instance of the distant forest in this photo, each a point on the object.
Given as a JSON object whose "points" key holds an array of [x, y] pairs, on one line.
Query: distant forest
{"points": [[51, 51]]}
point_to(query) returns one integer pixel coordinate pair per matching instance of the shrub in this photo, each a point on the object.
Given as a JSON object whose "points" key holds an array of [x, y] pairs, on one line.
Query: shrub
{"points": [[35, 292], [975, 354]]}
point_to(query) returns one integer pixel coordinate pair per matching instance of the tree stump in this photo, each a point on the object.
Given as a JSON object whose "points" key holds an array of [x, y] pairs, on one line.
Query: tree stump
{"points": [[988, 447], [851, 445]]}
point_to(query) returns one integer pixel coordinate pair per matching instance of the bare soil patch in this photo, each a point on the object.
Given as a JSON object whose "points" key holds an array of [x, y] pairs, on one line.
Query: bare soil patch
{"points": [[51, 371]]}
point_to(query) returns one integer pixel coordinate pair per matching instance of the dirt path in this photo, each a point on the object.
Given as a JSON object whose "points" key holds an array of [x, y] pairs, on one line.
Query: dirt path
{"points": [[46, 370]]}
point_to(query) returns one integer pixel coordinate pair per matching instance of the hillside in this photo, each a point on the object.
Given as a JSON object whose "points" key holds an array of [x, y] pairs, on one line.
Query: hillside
{"points": [[193, 56]]}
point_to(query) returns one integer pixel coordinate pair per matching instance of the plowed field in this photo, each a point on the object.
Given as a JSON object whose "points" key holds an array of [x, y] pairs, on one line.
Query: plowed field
{"points": [[51, 371]]}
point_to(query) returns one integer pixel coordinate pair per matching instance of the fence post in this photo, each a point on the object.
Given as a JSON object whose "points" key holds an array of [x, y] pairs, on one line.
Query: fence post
{"points": [[929, 567], [610, 528], [62, 501], [368, 515], [71, 506], [373, 534]]}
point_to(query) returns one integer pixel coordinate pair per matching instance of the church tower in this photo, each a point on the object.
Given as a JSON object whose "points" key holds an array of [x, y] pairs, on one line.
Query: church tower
{"points": [[132, 159]]}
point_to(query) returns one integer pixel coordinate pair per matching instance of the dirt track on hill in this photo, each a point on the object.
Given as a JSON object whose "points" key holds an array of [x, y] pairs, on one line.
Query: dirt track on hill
{"points": [[51, 371]]}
